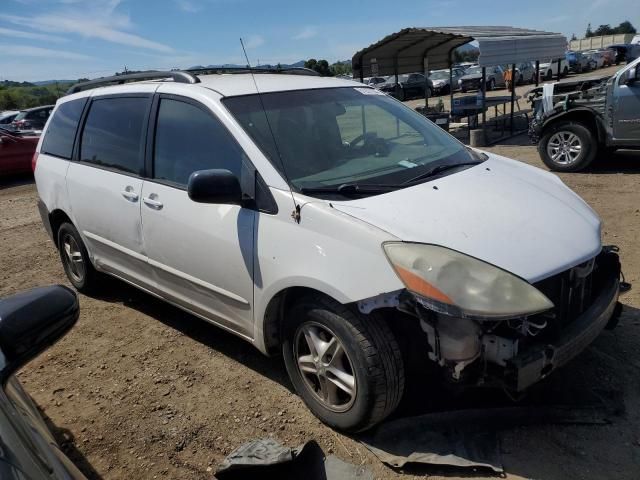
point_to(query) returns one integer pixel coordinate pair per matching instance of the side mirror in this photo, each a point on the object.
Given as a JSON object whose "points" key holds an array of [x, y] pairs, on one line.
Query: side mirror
{"points": [[32, 321], [214, 186]]}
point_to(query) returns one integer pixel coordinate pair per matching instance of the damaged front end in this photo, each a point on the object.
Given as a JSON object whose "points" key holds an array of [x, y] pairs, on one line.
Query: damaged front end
{"points": [[513, 351]]}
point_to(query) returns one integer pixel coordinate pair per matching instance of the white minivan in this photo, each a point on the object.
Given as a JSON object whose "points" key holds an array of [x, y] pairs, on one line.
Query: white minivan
{"points": [[324, 220]]}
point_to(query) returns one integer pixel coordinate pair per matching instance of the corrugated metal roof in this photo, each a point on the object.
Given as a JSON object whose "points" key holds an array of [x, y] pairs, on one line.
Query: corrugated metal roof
{"points": [[498, 45]]}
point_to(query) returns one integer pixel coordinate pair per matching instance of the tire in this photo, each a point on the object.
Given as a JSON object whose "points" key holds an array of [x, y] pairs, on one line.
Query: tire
{"points": [[402, 96], [549, 75], [571, 134], [75, 259], [370, 356], [491, 85]]}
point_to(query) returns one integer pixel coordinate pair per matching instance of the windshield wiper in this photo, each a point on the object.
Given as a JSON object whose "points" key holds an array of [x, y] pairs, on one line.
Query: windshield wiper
{"points": [[353, 189], [439, 169]]}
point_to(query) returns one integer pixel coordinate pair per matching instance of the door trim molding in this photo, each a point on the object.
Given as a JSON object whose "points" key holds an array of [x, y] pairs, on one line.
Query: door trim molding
{"points": [[197, 281], [166, 268]]}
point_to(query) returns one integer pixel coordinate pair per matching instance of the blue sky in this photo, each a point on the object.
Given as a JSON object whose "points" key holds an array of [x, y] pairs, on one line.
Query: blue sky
{"points": [[46, 39]]}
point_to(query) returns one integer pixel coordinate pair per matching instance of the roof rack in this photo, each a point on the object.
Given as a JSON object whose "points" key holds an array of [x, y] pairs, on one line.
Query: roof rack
{"points": [[177, 76], [285, 70]]}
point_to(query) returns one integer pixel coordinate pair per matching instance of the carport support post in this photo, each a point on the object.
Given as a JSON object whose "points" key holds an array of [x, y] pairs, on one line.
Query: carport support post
{"points": [[513, 94], [450, 84], [426, 82], [559, 62], [537, 72], [484, 103]]}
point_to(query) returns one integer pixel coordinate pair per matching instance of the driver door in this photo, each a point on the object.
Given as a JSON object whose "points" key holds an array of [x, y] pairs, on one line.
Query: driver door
{"points": [[626, 116], [201, 254]]}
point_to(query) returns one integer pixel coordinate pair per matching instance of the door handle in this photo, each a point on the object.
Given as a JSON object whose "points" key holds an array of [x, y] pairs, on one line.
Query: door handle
{"points": [[129, 194], [151, 202]]}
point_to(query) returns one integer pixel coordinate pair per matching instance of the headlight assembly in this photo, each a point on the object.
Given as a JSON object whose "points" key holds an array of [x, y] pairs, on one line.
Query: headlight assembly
{"points": [[453, 283]]}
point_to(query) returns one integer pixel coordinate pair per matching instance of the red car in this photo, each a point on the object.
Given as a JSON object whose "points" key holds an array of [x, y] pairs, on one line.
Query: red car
{"points": [[16, 151]]}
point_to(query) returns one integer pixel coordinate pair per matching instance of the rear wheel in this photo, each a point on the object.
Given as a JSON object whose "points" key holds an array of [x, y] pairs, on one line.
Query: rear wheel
{"points": [[565, 72], [567, 147], [347, 367], [75, 259]]}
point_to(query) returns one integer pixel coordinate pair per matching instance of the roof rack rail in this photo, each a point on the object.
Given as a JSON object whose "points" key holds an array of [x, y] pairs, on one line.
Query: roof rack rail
{"points": [[176, 75], [285, 70]]}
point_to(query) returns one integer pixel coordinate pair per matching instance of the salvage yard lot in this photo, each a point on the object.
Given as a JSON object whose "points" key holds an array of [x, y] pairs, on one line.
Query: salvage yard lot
{"points": [[139, 389]]}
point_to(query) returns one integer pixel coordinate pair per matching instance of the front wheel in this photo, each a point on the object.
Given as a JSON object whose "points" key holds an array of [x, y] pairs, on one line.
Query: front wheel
{"points": [[567, 147], [491, 85], [347, 367]]}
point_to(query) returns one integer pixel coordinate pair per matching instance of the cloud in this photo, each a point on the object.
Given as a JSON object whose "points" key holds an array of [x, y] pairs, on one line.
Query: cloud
{"points": [[188, 6], [306, 33], [9, 32], [28, 51], [253, 41], [95, 19]]}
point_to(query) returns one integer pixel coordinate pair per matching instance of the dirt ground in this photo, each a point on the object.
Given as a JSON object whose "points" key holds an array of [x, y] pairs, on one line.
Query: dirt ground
{"points": [[139, 389]]}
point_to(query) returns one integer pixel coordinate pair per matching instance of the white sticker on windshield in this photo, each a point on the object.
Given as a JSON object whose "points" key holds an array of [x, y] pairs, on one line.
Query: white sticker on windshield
{"points": [[369, 91], [407, 164]]}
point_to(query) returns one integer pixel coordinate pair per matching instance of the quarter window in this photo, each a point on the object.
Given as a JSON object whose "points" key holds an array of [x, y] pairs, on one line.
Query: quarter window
{"points": [[189, 139], [58, 139], [114, 132]]}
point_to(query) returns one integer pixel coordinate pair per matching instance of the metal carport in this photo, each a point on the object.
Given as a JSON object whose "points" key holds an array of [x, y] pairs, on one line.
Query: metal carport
{"points": [[422, 49]]}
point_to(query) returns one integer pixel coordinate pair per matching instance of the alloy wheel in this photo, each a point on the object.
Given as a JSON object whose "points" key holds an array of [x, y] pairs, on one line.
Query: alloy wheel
{"points": [[73, 258], [325, 367], [564, 147]]}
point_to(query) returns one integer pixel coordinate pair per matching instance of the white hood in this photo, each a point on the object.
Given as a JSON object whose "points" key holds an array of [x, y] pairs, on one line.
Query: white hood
{"points": [[509, 214]]}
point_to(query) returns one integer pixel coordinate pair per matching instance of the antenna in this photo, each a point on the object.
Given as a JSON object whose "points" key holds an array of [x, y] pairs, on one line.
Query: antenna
{"points": [[296, 211]]}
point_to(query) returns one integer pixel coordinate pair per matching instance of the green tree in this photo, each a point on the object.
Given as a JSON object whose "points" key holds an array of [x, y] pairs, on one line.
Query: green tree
{"points": [[589, 32], [625, 27], [604, 30], [573, 37], [320, 66]]}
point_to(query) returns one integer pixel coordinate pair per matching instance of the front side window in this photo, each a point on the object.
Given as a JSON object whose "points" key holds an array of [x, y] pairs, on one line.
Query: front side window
{"points": [[188, 139], [334, 136], [58, 139], [114, 133]]}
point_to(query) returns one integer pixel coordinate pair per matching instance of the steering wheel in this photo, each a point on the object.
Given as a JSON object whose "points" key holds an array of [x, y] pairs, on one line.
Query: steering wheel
{"points": [[371, 144]]}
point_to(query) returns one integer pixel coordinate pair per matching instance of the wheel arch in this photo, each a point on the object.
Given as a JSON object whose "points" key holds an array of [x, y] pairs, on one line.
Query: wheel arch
{"points": [[56, 218], [584, 116], [268, 331]]}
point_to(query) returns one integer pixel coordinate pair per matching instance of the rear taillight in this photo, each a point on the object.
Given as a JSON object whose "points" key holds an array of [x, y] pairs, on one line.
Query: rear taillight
{"points": [[34, 161]]}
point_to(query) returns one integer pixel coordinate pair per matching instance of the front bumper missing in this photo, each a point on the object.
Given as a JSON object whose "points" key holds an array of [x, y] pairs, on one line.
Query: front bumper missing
{"points": [[539, 360]]}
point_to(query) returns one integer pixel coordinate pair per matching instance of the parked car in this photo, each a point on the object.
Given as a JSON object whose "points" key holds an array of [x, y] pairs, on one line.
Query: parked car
{"points": [[7, 117], [609, 56], [625, 52], [32, 119], [30, 322], [597, 57], [441, 78], [472, 79], [16, 151], [585, 117], [578, 62], [374, 81], [296, 219], [525, 73], [549, 69], [410, 85]]}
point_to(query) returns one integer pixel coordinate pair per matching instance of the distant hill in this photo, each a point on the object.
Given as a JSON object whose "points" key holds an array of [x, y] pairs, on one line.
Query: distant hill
{"points": [[49, 82], [234, 65]]}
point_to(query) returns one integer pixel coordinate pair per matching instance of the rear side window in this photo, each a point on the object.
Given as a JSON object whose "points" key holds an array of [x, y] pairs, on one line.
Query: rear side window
{"points": [[190, 139], [113, 134], [58, 139]]}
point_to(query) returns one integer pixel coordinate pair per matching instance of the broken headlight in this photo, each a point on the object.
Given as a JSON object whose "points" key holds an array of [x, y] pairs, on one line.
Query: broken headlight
{"points": [[453, 283]]}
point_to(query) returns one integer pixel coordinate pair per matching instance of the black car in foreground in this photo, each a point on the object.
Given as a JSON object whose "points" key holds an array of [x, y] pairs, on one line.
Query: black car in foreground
{"points": [[29, 323], [409, 85]]}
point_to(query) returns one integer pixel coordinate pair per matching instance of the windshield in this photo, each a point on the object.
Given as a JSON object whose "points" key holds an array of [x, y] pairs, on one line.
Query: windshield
{"points": [[439, 75], [332, 136], [473, 70], [21, 116]]}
